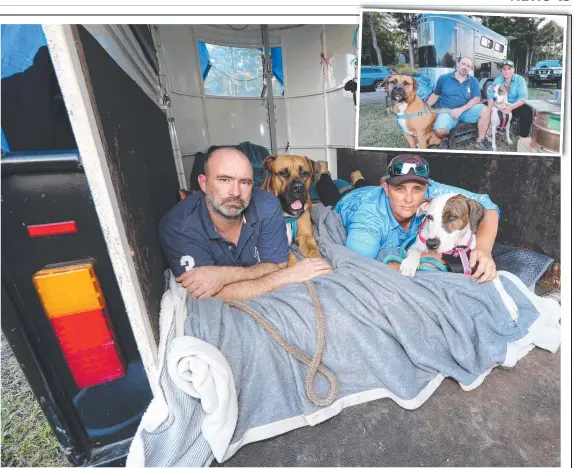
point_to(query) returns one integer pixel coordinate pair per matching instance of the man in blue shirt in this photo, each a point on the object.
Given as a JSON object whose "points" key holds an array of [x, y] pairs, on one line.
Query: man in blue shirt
{"points": [[459, 98], [229, 239], [384, 216]]}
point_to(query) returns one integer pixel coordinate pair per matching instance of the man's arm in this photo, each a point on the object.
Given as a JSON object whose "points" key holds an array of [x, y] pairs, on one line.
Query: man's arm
{"points": [[208, 281], [302, 271], [432, 99], [455, 113]]}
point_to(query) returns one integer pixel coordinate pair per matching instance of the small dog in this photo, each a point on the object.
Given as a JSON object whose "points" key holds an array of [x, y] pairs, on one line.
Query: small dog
{"points": [[418, 125], [498, 117], [289, 179], [449, 227], [450, 222]]}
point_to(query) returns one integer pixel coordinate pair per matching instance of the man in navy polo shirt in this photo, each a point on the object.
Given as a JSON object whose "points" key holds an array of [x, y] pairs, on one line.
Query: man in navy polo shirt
{"points": [[229, 239], [459, 99]]}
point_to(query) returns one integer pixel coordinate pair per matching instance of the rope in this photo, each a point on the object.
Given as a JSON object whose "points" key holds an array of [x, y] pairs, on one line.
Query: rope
{"points": [[233, 77], [314, 364]]}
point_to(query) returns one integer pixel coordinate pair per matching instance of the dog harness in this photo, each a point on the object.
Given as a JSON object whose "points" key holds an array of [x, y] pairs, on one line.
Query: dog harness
{"points": [[400, 117], [291, 228], [458, 252], [503, 118]]}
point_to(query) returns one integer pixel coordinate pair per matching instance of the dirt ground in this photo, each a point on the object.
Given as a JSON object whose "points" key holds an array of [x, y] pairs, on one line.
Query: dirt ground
{"points": [[379, 130]]}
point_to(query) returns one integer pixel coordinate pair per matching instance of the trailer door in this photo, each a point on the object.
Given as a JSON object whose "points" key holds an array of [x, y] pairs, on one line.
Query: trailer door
{"points": [[125, 147], [465, 41]]}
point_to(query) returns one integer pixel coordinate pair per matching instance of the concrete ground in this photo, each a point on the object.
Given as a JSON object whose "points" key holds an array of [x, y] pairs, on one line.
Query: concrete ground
{"points": [[512, 419]]}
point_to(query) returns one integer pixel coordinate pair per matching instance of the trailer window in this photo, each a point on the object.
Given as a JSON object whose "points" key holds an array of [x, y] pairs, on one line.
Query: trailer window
{"points": [[485, 42], [238, 71], [425, 33], [499, 47]]}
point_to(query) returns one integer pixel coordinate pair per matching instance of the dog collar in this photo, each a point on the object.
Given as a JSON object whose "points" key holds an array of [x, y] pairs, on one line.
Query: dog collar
{"points": [[461, 252], [292, 221]]}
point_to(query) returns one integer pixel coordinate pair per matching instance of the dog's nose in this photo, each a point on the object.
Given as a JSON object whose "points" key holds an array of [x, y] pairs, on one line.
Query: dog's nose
{"points": [[297, 188], [432, 244], [398, 85]]}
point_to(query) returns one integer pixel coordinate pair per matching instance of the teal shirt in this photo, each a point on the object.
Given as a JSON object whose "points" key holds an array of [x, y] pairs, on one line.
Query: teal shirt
{"points": [[371, 226], [517, 88]]}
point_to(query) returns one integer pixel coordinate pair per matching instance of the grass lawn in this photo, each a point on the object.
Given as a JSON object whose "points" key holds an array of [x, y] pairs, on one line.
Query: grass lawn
{"points": [[378, 130], [27, 439]]}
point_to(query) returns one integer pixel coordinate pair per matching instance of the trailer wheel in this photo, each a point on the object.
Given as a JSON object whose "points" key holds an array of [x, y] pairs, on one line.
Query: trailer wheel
{"points": [[486, 86], [378, 86]]}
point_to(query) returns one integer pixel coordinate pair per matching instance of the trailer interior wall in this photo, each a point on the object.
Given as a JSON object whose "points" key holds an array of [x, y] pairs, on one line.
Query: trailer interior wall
{"points": [[315, 115]]}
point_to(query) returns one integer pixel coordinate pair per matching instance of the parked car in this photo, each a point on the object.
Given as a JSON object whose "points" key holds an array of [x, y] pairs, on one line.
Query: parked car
{"points": [[372, 77], [547, 71]]}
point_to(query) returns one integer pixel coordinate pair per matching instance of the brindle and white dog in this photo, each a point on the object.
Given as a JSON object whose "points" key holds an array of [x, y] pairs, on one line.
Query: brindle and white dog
{"points": [[289, 179], [500, 97], [450, 221]]}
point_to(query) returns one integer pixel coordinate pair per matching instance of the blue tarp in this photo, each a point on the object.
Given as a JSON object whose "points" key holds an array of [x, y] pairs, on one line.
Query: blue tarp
{"points": [[205, 64], [20, 43], [425, 86]]}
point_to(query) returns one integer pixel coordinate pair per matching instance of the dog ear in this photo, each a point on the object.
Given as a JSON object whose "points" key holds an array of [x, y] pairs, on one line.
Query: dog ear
{"points": [[386, 82], [424, 207], [476, 214], [315, 170], [415, 83], [267, 164]]}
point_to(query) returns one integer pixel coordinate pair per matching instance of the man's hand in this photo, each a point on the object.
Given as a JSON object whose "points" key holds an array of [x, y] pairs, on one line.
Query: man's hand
{"points": [[305, 270], [456, 113], [204, 281], [486, 270]]}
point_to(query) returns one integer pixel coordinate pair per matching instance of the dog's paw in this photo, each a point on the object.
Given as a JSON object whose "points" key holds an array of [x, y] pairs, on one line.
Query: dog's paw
{"points": [[509, 141], [409, 266]]}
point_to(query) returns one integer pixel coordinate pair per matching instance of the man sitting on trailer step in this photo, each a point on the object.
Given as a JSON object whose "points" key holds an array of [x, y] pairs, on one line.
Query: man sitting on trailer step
{"points": [[229, 239], [459, 98]]}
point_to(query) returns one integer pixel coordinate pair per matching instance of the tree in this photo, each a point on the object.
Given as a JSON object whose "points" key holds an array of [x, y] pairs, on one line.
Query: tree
{"points": [[388, 40], [374, 38], [407, 23]]}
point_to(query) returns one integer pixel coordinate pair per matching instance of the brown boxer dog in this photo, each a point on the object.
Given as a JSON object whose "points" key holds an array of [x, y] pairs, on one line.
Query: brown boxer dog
{"points": [[289, 179], [419, 128]]}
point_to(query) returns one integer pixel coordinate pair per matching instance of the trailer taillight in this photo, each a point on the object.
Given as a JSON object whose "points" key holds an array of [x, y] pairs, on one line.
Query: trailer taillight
{"points": [[52, 229], [74, 304]]}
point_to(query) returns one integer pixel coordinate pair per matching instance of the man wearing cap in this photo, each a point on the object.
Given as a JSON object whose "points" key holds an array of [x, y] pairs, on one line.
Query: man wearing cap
{"points": [[459, 98], [384, 216], [516, 95], [229, 239]]}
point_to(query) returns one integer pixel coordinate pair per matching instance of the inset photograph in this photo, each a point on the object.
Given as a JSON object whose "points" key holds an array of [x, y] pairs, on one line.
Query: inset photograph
{"points": [[461, 82]]}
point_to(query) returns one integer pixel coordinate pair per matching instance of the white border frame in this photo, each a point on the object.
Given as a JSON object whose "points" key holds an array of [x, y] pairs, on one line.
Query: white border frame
{"points": [[566, 66]]}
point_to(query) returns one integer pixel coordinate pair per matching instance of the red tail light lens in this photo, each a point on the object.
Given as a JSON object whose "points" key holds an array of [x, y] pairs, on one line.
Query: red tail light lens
{"points": [[74, 303]]}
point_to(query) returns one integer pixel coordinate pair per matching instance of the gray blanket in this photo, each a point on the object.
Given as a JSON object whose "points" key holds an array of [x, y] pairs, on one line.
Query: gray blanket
{"points": [[387, 336]]}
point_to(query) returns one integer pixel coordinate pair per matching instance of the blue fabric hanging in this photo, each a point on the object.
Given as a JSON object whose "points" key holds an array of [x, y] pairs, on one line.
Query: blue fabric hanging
{"points": [[277, 64], [20, 43], [205, 64]]}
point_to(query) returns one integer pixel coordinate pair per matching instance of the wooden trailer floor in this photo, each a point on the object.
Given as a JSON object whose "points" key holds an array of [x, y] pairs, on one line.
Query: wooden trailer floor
{"points": [[512, 419]]}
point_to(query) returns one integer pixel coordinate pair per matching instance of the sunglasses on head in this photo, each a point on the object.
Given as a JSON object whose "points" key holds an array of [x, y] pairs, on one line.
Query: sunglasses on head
{"points": [[398, 169]]}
